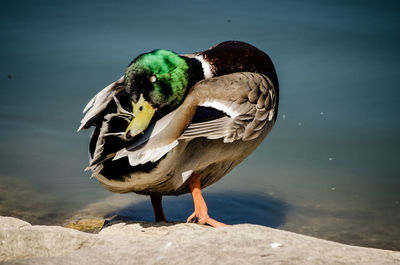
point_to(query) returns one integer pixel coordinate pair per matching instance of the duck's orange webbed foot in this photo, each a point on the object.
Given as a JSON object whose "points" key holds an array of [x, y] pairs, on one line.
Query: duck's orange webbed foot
{"points": [[200, 213]]}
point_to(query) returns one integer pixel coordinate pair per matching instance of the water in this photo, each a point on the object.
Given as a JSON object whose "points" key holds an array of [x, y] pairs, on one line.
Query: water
{"points": [[329, 168]]}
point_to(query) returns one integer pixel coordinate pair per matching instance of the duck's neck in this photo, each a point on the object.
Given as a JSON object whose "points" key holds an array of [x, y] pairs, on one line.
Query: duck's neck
{"points": [[195, 73]]}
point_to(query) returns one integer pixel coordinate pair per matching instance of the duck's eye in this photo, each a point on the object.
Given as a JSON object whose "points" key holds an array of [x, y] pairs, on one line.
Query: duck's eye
{"points": [[153, 78], [140, 108]]}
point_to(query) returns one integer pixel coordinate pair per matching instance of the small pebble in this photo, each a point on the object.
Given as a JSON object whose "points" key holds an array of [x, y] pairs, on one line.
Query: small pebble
{"points": [[168, 245], [330, 159], [283, 116], [276, 245]]}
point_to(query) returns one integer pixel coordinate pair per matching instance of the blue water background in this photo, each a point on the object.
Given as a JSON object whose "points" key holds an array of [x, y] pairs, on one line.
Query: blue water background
{"points": [[329, 168]]}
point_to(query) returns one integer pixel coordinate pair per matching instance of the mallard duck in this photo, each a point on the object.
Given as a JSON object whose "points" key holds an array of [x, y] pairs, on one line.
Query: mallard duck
{"points": [[174, 124]]}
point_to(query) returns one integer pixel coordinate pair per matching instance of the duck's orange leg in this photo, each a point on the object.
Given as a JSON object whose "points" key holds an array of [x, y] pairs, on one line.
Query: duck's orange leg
{"points": [[157, 207], [200, 207]]}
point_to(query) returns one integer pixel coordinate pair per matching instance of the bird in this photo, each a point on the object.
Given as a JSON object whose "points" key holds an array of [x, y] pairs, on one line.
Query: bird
{"points": [[177, 123]]}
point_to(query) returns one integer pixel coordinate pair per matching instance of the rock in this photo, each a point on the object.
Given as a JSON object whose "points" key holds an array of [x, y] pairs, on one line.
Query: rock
{"points": [[12, 223], [176, 243], [91, 225], [20, 240]]}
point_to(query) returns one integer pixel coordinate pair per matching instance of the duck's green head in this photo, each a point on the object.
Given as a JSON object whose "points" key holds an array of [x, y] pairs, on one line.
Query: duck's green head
{"points": [[161, 76], [155, 81]]}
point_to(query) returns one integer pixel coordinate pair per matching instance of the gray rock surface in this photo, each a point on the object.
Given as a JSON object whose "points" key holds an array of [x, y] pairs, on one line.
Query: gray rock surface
{"points": [[162, 243]]}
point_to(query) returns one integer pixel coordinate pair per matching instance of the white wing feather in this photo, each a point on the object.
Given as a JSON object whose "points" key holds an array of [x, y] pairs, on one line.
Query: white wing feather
{"points": [[99, 102]]}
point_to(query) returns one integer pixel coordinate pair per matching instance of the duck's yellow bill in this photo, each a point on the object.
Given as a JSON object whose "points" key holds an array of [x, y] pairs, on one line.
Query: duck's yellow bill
{"points": [[142, 114]]}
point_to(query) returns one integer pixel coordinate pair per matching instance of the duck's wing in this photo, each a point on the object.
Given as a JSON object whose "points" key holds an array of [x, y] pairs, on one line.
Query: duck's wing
{"points": [[99, 102], [248, 101], [233, 107]]}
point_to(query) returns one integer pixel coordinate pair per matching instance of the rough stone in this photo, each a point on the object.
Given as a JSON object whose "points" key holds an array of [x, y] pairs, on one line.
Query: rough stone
{"points": [[90, 225], [176, 243]]}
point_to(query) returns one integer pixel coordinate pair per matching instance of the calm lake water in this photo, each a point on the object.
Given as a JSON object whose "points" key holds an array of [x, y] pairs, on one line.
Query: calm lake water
{"points": [[329, 168]]}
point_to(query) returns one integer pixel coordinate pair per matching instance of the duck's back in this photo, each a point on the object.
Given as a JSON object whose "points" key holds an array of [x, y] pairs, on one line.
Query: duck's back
{"points": [[236, 56]]}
